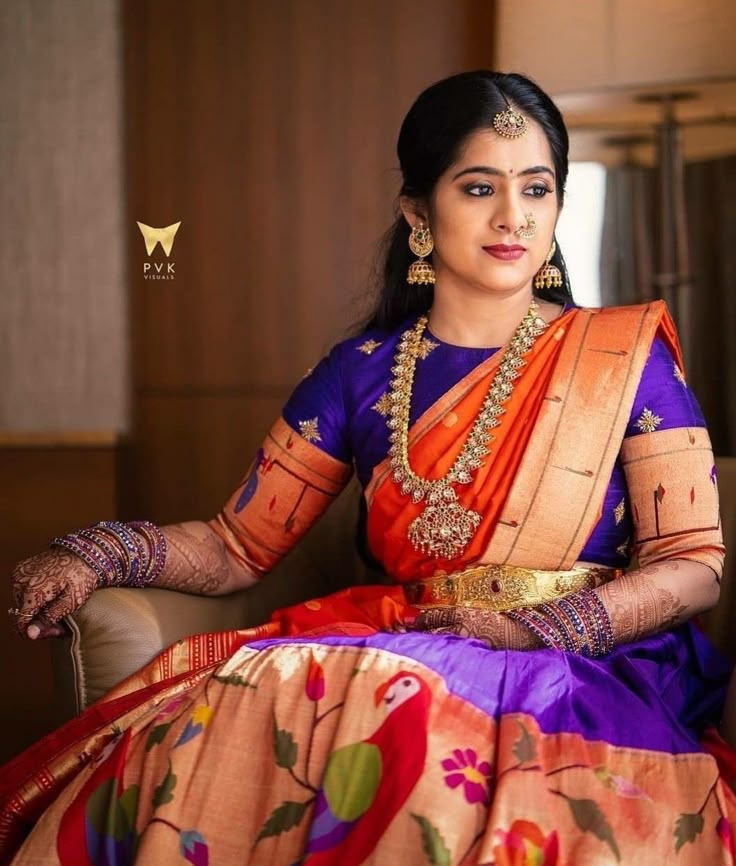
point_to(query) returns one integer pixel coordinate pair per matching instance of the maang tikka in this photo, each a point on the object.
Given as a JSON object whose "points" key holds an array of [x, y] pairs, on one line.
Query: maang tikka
{"points": [[509, 123], [421, 244]]}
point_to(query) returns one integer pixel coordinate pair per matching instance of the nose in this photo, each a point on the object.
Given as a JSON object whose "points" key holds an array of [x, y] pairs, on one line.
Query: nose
{"points": [[508, 214]]}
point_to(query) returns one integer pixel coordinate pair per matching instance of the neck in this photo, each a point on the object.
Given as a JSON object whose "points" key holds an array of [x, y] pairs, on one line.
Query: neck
{"points": [[477, 321]]}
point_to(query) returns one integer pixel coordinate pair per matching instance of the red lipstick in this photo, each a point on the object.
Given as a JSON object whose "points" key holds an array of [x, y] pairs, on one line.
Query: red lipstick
{"points": [[506, 252]]}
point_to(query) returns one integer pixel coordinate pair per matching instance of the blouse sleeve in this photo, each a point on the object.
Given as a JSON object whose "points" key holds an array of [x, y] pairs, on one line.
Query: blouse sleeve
{"points": [[670, 471], [298, 471]]}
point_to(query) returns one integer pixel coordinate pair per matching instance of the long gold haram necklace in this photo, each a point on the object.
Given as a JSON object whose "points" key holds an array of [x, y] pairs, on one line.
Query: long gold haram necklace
{"points": [[444, 527]]}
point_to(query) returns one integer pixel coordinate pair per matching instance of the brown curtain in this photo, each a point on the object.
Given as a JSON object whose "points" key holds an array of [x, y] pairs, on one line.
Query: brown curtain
{"points": [[63, 310], [628, 273]]}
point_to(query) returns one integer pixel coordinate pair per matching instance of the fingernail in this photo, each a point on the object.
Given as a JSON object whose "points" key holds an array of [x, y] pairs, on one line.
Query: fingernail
{"points": [[33, 632]]}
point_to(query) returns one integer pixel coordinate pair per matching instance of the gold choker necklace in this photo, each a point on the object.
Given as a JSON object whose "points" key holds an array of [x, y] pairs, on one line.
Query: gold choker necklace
{"points": [[444, 527]]}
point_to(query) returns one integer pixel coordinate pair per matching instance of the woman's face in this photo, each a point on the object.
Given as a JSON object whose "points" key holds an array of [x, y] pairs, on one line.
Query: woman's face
{"points": [[494, 188]]}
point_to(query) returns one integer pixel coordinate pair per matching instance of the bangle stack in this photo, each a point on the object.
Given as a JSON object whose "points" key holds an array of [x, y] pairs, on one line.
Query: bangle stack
{"points": [[578, 623], [120, 554]]}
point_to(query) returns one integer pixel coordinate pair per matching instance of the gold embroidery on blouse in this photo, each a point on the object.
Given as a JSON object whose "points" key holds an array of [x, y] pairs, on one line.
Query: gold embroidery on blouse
{"points": [[679, 375], [369, 347], [308, 373], [426, 347], [648, 421], [309, 430], [619, 511], [382, 405]]}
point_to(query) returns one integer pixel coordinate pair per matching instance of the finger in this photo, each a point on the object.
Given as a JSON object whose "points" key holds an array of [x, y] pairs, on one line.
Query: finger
{"points": [[435, 618], [44, 622], [37, 630]]}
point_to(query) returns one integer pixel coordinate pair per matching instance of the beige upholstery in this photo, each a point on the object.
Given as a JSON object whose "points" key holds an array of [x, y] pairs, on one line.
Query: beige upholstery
{"points": [[118, 630]]}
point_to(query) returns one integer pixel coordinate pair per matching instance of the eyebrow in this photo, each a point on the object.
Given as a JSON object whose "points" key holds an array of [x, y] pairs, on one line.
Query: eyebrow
{"points": [[488, 169]]}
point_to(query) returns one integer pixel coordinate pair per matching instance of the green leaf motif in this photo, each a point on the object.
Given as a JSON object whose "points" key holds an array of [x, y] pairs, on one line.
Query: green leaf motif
{"points": [[234, 680], [284, 747], [283, 817], [525, 749], [157, 735], [433, 844], [590, 819], [164, 793], [687, 827]]}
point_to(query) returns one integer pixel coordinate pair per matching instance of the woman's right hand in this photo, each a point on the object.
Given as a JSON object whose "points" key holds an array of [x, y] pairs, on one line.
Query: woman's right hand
{"points": [[46, 588]]}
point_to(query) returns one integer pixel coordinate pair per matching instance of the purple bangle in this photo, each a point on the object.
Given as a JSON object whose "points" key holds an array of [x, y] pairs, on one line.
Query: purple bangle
{"points": [[120, 554], [72, 545], [112, 554]]}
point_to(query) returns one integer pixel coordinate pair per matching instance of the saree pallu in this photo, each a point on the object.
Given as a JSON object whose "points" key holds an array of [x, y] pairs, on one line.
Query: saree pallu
{"points": [[326, 737]]}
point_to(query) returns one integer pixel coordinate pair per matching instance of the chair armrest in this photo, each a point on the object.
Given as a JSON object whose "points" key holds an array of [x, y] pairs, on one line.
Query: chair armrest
{"points": [[119, 630]]}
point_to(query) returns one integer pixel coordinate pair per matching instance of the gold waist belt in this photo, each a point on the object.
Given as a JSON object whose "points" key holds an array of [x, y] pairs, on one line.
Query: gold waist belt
{"points": [[504, 587]]}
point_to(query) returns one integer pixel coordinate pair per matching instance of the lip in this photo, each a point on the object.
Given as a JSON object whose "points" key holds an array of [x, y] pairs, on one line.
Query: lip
{"points": [[506, 252]]}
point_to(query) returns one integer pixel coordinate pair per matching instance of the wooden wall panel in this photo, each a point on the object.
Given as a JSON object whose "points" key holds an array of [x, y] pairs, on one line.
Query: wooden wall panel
{"points": [[195, 450], [269, 130]]}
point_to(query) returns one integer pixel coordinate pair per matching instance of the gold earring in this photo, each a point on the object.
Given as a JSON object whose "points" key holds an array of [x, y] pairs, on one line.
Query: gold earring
{"points": [[529, 230], [421, 244], [548, 275]]}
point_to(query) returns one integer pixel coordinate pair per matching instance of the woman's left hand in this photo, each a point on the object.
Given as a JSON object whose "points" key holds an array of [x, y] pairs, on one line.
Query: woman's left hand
{"points": [[495, 629]]}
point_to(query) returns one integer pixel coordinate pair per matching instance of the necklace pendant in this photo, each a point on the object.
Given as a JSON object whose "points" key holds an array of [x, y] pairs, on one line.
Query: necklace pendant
{"points": [[444, 528]]}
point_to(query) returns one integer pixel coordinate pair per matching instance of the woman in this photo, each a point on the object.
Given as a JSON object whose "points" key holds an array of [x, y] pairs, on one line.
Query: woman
{"points": [[516, 454]]}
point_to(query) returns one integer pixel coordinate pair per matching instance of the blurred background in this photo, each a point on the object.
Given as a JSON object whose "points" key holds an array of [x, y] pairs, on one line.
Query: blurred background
{"points": [[138, 384]]}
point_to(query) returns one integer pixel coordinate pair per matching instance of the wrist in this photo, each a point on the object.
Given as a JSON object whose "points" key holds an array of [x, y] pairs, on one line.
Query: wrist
{"points": [[120, 554]]}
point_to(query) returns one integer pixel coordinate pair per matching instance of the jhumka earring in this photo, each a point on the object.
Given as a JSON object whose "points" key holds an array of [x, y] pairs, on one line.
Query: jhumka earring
{"points": [[529, 230], [548, 275], [509, 123], [421, 244]]}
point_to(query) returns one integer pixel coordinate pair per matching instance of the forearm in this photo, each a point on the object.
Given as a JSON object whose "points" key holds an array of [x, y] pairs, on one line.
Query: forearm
{"points": [[639, 603], [658, 597], [199, 562]]}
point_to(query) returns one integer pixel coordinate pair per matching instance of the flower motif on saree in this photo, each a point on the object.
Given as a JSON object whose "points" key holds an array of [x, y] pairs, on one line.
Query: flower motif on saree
{"points": [[463, 769], [426, 347], [619, 511], [369, 347], [310, 430], [524, 844], [648, 422], [382, 405]]}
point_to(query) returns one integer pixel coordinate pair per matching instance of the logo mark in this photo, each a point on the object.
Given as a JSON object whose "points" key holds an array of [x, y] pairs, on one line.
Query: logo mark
{"points": [[153, 236]]}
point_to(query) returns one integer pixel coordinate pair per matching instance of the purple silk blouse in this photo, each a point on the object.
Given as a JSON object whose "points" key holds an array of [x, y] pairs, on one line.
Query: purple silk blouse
{"points": [[339, 407]]}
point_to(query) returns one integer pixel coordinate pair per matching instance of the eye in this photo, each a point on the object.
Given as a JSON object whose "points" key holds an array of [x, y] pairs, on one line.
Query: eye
{"points": [[479, 189], [538, 190], [406, 683]]}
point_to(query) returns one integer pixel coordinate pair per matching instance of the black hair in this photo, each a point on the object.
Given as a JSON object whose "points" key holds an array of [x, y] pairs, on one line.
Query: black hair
{"points": [[431, 136]]}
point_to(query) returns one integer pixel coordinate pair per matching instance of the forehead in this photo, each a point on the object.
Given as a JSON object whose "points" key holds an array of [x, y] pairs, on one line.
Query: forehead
{"points": [[487, 147]]}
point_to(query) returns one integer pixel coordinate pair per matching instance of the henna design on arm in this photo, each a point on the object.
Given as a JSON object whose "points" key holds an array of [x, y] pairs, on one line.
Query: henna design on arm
{"points": [[640, 605], [198, 562], [495, 629]]}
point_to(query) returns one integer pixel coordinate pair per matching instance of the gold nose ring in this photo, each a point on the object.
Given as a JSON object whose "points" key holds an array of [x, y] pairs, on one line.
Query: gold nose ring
{"points": [[529, 230]]}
